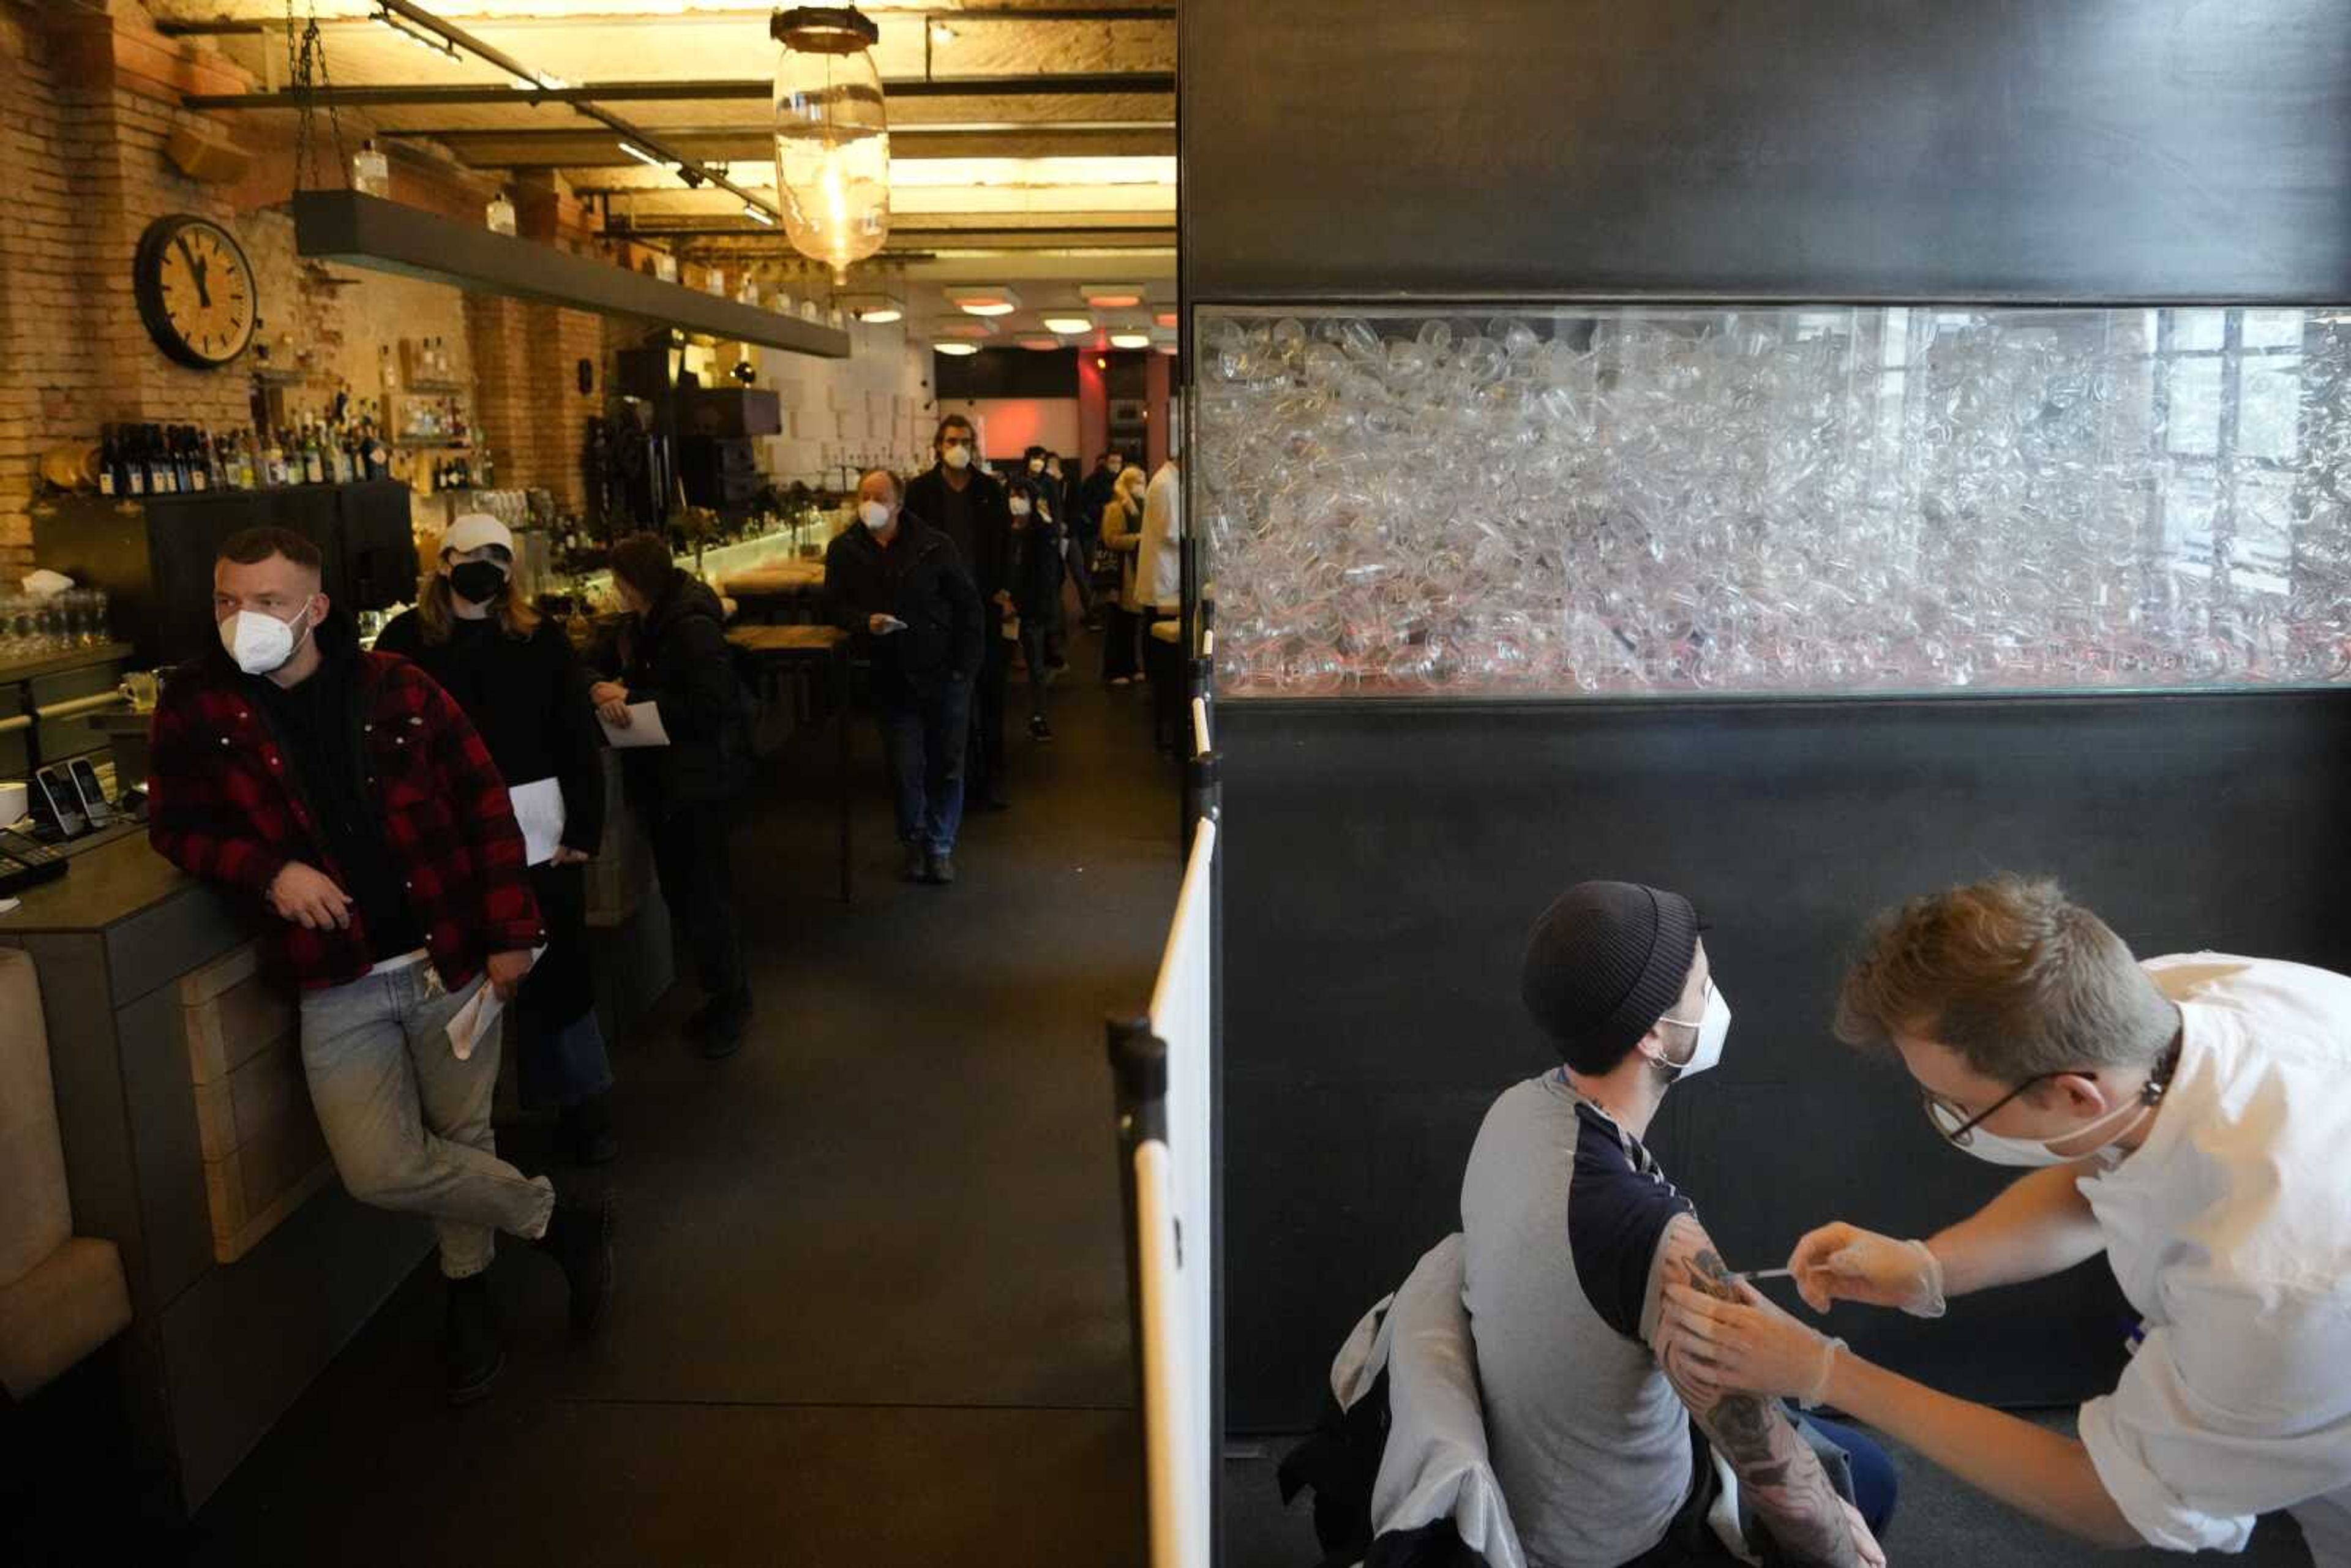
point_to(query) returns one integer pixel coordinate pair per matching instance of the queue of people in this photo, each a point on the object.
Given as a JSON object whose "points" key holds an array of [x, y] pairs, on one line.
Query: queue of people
{"points": [[1642, 1404]]}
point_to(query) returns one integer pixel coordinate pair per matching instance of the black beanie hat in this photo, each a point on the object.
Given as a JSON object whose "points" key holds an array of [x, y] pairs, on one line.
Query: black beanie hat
{"points": [[1605, 964]]}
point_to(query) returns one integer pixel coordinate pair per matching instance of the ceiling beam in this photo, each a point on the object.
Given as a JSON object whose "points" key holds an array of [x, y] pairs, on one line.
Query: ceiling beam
{"points": [[225, 28], [596, 149], [1055, 84]]}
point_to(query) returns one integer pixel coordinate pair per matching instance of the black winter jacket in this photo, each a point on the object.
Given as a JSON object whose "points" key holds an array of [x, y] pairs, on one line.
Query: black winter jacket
{"points": [[985, 554], [675, 656], [920, 581], [1035, 569], [529, 700]]}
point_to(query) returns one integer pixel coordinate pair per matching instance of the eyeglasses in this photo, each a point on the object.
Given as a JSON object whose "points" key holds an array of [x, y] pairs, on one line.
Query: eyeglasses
{"points": [[1951, 1118]]}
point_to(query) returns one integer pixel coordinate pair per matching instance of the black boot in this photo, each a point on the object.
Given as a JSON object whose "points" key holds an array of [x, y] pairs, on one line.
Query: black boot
{"points": [[471, 1348], [918, 861], [585, 1131], [730, 1015], [579, 1238]]}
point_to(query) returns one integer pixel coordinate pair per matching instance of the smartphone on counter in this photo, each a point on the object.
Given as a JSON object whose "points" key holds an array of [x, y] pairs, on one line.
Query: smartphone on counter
{"points": [[56, 807], [94, 803]]}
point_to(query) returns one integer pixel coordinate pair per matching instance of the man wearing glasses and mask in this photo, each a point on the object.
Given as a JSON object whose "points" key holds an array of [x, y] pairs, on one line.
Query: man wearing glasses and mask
{"points": [[2191, 1118]]}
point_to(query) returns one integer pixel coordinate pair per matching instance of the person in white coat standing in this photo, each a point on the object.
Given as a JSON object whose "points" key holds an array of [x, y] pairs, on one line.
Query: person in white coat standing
{"points": [[2192, 1116], [1159, 585]]}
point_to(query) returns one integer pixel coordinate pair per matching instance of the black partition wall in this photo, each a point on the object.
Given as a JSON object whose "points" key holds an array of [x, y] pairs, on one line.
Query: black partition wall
{"points": [[1383, 857]]}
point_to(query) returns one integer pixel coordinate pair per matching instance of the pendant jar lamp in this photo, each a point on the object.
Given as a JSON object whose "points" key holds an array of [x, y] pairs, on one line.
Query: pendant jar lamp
{"points": [[832, 135]]}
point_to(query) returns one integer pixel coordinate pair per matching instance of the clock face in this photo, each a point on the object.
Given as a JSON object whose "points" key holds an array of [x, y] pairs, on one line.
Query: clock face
{"points": [[196, 291]]}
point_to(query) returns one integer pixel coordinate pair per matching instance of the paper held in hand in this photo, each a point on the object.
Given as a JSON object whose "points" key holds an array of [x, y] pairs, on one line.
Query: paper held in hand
{"points": [[645, 726], [478, 1016], [539, 812]]}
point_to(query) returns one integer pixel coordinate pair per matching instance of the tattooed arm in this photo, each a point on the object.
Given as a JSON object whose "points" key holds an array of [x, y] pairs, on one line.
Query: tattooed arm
{"points": [[1780, 1474]]}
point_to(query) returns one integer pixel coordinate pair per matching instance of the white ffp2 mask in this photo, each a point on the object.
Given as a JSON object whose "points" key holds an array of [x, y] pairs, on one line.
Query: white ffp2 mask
{"points": [[1713, 1027], [1995, 1150], [958, 455], [258, 642], [875, 515]]}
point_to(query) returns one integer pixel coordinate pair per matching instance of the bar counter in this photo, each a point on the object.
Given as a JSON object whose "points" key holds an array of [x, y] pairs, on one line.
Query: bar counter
{"points": [[190, 1141], [215, 1352]]}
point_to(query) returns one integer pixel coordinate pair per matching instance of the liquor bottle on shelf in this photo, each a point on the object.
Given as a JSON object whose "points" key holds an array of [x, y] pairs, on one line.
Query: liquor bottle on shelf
{"points": [[200, 466], [314, 468], [272, 460], [108, 460], [159, 462]]}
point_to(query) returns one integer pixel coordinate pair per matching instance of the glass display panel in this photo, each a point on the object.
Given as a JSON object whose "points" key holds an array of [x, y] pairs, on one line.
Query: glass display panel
{"points": [[1641, 500]]}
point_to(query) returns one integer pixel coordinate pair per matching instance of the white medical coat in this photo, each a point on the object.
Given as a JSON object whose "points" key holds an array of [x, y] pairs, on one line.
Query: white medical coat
{"points": [[2230, 1230]]}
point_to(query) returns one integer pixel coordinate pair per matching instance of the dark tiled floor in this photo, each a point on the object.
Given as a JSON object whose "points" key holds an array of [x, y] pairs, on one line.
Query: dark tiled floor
{"points": [[872, 1300]]}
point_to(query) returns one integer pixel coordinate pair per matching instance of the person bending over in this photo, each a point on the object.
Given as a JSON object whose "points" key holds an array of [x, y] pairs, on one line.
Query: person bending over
{"points": [[1573, 1234], [349, 794]]}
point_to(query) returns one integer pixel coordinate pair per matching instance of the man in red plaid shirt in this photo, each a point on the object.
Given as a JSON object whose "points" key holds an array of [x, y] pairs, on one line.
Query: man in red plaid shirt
{"points": [[348, 793]]}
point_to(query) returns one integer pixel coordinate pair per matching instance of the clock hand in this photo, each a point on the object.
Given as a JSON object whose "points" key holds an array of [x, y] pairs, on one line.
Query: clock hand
{"points": [[203, 295]]}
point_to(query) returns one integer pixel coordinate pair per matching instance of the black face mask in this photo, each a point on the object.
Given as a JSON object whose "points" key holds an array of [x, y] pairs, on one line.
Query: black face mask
{"points": [[478, 582]]}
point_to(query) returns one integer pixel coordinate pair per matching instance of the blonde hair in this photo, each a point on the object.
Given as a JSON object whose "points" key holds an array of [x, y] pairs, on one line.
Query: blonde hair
{"points": [[436, 612], [2010, 976]]}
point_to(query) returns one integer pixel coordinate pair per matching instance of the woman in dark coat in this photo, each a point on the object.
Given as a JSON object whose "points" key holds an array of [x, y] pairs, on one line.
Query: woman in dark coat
{"points": [[1033, 568], [517, 679], [670, 650]]}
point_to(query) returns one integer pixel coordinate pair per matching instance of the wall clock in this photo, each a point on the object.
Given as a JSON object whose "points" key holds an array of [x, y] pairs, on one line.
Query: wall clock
{"points": [[196, 291]]}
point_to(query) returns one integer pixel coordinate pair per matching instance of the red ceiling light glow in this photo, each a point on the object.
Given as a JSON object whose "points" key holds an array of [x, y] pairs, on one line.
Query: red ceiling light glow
{"points": [[1164, 318], [1111, 296], [1042, 343]]}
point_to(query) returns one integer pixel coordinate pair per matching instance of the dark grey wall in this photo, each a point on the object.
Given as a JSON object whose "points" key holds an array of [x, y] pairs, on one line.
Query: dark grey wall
{"points": [[1382, 864], [1815, 149]]}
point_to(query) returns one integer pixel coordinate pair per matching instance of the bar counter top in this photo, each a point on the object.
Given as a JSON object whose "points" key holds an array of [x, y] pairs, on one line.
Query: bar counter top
{"points": [[108, 882]]}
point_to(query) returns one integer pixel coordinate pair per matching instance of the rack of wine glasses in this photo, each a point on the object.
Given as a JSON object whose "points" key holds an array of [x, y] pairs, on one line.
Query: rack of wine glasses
{"points": [[1622, 499]]}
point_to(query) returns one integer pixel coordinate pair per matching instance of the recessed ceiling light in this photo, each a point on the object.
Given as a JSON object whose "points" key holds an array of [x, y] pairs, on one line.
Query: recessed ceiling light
{"points": [[881, 315], [981, 300], [1129, 339], [956, 350], [1164, 318], [1070, 326], [1040, 342], [1111, 296], [972, 329]]}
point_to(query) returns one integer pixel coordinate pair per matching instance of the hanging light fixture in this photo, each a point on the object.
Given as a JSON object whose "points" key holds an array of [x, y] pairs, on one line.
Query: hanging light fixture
{"points": [[832, 135]]}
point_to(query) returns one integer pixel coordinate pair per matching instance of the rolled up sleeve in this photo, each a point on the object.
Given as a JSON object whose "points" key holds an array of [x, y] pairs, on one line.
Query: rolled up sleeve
{"points": [[2234, 1410]]}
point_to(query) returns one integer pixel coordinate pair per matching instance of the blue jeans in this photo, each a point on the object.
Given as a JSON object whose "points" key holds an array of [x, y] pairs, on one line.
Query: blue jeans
{"points": [[408, 1123], [922, 736]]}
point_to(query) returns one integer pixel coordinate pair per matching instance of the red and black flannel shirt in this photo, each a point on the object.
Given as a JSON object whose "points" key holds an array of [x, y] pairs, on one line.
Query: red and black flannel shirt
{"points": [[226, 807]]}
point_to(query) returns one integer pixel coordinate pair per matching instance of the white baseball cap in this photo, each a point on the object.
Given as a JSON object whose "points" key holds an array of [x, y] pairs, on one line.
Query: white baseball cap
{"points": [[471, 531]]}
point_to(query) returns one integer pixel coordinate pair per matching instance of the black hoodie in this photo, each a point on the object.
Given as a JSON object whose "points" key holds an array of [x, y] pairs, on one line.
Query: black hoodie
{"points": [[675, 656]]}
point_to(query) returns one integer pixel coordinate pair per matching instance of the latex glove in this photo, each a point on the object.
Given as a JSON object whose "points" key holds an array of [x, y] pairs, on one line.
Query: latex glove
{"points": [[1749, 1345], [1844, 1263]]}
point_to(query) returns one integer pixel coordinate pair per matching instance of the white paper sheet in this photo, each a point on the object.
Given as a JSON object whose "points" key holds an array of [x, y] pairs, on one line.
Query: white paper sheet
{"points": [[479, 1016], [539, 812], [645, 726]]}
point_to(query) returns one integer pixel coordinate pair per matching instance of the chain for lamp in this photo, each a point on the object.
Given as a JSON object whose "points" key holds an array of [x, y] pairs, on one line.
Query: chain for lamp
{"points": [[307, 72]]}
